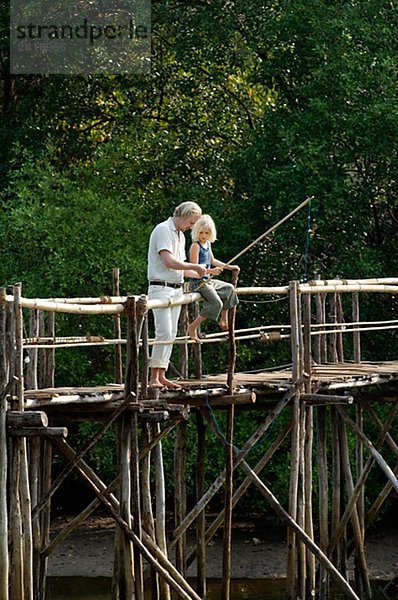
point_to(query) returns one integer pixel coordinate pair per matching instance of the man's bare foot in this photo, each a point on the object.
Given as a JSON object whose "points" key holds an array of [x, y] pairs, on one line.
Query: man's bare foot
{"points": [[155, 383], [223, 325], [170, 385], [193, 332]]}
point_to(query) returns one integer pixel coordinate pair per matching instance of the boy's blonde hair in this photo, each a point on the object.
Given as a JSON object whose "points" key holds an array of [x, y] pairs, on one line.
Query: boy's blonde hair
{"points": [[204, 221]]}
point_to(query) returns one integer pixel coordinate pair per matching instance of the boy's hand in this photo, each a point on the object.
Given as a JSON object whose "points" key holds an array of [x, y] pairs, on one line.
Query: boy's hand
{"points": [[215, 271]]}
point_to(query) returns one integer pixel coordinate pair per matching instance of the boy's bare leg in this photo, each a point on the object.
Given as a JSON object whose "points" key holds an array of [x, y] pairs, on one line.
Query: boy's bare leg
{"points": [[224, 320], [193, 328]]}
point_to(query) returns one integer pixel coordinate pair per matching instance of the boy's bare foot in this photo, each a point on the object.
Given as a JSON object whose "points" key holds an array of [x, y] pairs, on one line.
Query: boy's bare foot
{"points": [[223, 325], [193, 332]]}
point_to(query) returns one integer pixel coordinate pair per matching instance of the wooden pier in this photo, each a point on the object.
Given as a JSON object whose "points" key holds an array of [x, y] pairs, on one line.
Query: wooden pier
{"points": [[325, 392]]}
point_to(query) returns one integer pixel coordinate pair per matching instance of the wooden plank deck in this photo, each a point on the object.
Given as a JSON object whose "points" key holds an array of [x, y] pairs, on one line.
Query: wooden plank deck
{"points": [[325, 378]]}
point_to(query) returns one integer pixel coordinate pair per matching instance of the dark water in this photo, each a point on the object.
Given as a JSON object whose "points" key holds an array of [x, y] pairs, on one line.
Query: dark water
{"points": [[99, 588]]}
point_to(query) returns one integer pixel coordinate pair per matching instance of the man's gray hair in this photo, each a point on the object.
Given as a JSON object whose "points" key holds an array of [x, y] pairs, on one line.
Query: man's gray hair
{"points": [[187, 209]]}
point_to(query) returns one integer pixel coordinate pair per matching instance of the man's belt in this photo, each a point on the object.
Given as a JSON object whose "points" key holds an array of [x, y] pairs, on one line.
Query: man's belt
{"points": [[166, 284]]}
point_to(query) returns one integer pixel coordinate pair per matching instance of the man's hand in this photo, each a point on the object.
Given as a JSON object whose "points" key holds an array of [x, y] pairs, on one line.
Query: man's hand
{"points": [[200, 270]]}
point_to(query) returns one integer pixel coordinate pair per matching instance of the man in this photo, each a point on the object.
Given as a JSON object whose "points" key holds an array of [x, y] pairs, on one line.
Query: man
{"points": [[166, 267]]}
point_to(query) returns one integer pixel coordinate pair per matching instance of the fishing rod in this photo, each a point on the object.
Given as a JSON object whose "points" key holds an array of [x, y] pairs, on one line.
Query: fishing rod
{"points": [[261, 237]]}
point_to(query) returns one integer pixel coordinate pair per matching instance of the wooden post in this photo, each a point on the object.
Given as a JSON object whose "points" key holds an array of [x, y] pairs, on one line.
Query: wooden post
{"points": [[180, 491], [131, 388], [21, 452], [320, 340], [183, 326], [363, 579], [323, 486], [332, 338], [160, 523], [340, 319], [45, 518], [147, 513], [50, 353], [201, 520], [4, 558], [356, 334], [144, 359], [337, 493], [31, 369], [295, 439], [197, 348], [229, 456], [117, 328], [361, 496]]}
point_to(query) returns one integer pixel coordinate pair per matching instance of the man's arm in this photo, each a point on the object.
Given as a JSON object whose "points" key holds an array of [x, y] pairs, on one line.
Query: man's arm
{"points": [[172, 263]]}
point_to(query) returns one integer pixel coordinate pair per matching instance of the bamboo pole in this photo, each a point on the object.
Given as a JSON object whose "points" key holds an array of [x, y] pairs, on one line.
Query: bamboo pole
{"points": [[4, 557]]}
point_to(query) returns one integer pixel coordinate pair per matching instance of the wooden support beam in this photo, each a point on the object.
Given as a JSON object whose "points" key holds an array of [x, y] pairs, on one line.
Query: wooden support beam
{"points": [[26, 418], [368, 444], [291, 523], [147, 548], [42, 432], [218, 521], [325, 399], [217, 484]]}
